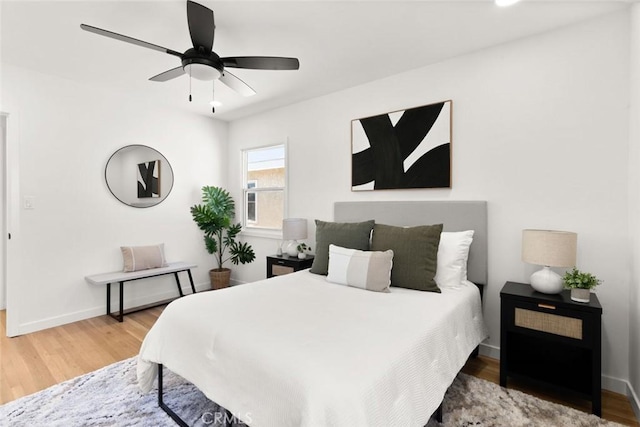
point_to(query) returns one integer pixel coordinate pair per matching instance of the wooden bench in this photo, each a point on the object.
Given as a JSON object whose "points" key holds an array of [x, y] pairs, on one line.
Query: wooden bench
{"points": [[122, 277]]}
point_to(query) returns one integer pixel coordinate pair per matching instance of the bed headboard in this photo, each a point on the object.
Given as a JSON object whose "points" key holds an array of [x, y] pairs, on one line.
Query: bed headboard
{"points": [[455, 215]]}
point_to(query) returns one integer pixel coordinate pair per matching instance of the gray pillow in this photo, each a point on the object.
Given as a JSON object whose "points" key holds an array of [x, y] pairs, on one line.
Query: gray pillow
{"points": [[415, 254], [352, 235]]}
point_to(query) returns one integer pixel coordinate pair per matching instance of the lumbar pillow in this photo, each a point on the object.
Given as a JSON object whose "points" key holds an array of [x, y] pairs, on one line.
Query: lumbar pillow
{"points": [[415, 254], [143, 257], [453, 253], [368, 270], [352, 235]]}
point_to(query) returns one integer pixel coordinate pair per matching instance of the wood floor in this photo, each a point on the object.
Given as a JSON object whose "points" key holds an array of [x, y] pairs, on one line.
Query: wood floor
{"points": [[33, 362]]}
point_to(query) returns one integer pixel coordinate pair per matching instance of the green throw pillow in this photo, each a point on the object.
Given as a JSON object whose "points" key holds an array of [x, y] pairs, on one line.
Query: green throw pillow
{"points": [[352, 235], [415, 254]]}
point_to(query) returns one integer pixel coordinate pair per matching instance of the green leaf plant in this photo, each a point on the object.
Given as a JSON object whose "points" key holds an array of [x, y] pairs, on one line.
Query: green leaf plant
{"points": [[576, 279], [303, 247], [215, 218]]}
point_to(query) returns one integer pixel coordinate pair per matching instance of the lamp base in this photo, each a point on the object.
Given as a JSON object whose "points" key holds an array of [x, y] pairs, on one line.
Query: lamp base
{"points": [[547, 281], [292, 249]]}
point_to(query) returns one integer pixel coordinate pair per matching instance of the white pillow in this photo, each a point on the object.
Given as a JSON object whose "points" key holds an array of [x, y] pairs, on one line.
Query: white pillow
{"points": [[368, 270], [453, 253], [137, 258]]}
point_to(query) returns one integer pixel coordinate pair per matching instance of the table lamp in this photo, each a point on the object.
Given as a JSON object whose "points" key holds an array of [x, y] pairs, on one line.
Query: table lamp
{"points": [[548, 248], [294, 229]]}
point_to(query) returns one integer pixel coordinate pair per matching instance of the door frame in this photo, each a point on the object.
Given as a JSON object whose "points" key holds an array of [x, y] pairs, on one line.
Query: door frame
{"points": [[11, 223], [5, 211]]}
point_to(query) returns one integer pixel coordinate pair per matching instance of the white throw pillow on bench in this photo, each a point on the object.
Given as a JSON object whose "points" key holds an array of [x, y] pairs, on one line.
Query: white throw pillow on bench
{"points": [[137, 258]]}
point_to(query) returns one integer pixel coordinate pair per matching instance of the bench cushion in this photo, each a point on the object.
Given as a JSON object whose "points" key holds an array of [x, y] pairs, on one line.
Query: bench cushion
{"points": [[137, 258]]}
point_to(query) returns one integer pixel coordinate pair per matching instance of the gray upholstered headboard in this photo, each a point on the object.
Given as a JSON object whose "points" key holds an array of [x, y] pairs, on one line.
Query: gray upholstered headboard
{"points": [[456, 216]]}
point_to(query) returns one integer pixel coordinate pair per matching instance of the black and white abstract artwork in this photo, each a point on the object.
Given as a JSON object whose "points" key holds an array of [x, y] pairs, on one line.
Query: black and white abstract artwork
{"points": [[404, 149], [149, 179]]}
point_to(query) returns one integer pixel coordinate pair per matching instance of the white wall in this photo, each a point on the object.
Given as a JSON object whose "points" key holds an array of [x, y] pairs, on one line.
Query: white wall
{"points": [[540, 130], [634, 208], [67, 132]]}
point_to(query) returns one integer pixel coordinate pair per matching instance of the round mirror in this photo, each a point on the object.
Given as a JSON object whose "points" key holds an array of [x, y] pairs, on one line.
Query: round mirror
{"points": [[139, 176]]}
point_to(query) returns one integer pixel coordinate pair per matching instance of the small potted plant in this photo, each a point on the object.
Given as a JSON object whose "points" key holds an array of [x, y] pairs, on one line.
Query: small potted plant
{"points": [[580, 284], [302, 250]]}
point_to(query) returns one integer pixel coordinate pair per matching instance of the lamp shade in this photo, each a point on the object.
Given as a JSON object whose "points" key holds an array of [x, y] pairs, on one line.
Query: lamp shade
{"points": [[549, 247], [294, 228]]}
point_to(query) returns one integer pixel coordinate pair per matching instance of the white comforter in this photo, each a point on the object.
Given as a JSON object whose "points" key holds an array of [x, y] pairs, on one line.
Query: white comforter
{"points": [[298, 351]]}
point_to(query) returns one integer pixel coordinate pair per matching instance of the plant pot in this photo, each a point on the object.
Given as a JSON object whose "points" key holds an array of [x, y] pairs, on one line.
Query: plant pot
{"points": [[302, 255], [580, 295], [220, 278]]}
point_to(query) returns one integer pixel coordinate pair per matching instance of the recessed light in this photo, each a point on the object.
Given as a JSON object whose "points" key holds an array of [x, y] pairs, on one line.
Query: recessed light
{"points": [[504, 3]]}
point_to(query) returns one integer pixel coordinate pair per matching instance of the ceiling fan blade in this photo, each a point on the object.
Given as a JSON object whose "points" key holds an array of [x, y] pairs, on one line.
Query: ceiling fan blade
{"points": [[128, 39], [201, 25], [262, 62], [236, 84], [168, 75]]}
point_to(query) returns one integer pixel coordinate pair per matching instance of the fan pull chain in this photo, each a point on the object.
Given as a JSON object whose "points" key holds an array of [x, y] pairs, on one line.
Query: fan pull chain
{"points": [[213, 97], [190, 83]]}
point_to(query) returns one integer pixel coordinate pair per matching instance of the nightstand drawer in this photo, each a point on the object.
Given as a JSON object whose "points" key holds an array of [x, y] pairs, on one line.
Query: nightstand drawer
{"points": [[550, 323], [548, 320], [279, 270], [279, 265]]}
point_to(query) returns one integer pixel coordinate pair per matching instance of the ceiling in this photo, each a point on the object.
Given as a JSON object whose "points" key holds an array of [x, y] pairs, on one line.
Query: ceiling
{"points": [[340, 44]]}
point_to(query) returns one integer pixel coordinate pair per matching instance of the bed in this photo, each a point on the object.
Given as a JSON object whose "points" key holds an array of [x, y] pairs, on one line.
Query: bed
{"points": [[296, 350]]}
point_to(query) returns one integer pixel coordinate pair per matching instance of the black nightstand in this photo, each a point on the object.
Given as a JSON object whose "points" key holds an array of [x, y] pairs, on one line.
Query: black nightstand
{"points": [[279, 265], [551, 340]]}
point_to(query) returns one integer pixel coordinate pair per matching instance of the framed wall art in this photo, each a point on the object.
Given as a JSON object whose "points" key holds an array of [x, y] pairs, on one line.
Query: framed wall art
{"points": [[403, 149]]}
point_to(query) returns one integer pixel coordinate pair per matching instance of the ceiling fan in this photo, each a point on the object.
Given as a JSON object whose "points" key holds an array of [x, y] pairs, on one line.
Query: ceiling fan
{"points": [[200, 61]]}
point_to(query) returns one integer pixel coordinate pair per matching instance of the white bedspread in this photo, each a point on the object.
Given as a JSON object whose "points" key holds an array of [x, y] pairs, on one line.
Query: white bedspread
{"points": [[296, 350]]}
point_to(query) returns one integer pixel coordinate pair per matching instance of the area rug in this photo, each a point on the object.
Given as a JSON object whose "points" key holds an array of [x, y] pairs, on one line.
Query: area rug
{"points": [[110, 397]]}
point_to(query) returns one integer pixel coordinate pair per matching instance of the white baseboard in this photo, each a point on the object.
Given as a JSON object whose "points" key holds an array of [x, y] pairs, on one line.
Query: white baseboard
{"points": [[615, 385], [635, 401], [50, 322], [490, 351], [38, 325]]}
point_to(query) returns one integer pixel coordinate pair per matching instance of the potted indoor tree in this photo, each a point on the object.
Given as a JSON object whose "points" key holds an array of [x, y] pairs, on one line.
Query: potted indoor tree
{"points": [[580, 284], [215, 218]]}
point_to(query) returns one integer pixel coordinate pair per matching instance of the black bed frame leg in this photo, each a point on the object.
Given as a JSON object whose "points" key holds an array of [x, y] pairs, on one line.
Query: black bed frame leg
{"points": [[175, 417], [164, 407]]}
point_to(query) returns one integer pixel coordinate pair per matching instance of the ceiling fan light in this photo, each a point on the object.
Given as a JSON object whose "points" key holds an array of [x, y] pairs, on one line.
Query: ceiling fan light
{"points": [[505, 3], [202, 72]]}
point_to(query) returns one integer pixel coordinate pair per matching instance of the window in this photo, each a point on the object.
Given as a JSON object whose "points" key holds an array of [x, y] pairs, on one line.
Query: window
{"points": [[252, 207], [264, 187]]}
